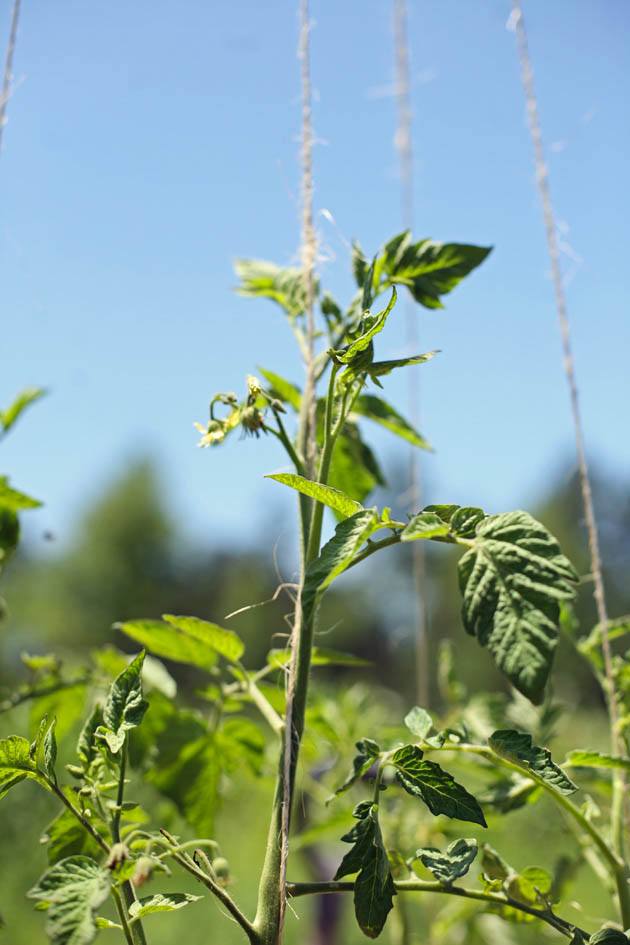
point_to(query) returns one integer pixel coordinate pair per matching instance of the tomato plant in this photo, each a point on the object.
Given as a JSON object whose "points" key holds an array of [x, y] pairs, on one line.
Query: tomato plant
{"points": [[516, 592]]}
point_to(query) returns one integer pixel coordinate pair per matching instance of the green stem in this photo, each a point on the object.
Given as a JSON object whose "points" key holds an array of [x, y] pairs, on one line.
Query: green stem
{"points": [[416, 885], [330, 437], [265, 708], [139, 938], [122, 915], [85, 823]]}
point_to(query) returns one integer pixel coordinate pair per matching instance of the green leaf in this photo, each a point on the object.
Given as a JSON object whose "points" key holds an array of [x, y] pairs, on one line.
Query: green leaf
{"points": [[267, 280], [382, 368], [337, 553], [367, 753], [282, 389], [170, 643], [531, 886], [518, 748], [125, 707], [66, 837], [9, 533], [419, 722], [17, 763], [71, 891], [436, 787], [27, 397], [354, 468], [429, 269], [493, 865], [87, 746], [224, 642], [320, 656], [465, 519], [374, 889], [596, 759], [160, 902], [376, 409], [425, 525], [453, 863], [369, 327], [359, 264], [512, 580], [13, 500], [334, 498]]}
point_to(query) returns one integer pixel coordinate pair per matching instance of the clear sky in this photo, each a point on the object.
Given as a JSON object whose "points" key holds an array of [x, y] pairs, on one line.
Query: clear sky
{"points": [[150, 143]]}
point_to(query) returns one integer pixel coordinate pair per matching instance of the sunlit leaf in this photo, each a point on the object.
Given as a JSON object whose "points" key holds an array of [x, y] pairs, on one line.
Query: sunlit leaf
{"points": [[437, 788], [71, 891], [518, 748], [451, 864], [125, 707], [169, 642], [333, 498], [12, 413], [224, 642], [160, 902]]}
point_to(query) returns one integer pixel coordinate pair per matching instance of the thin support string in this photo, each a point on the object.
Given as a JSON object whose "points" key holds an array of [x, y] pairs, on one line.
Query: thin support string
{"points": [[542, 180], [404, 146], [308, 258], [8, 68]]}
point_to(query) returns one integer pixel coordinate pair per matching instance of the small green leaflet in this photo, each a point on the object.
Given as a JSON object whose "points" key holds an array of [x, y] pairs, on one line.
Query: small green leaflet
{"points": [[160, 902], [595, 759], [27, 397], [453, 863], [87, 748], [17, 763], [44, 750], [282, 389], [437, 788], [419, 722], [374, 889], [512, 580], [368, 752], [224, 642], [382, 368], [13, 500], [125, 707], [327, 495], [518, 748], [369, 327], [379, 411], [320, 656], [425, 525], [337, 553], [267, 280], [71, 891], [169, 642]]}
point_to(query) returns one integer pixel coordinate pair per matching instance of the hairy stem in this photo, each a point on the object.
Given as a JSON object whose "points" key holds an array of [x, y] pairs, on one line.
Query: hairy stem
{"points": [[128, 892], [122, 915], [416, 885]]}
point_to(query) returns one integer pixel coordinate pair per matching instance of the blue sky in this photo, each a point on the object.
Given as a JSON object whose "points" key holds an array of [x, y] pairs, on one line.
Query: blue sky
{"points": [[149, 144]]}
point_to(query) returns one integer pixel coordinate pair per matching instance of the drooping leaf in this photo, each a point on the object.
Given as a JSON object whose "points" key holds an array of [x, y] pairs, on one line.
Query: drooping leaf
{"points": [[13, 500], [512, 580], [282, 389], [437, 788], [419, 722], [125, 707], [425, 525], [451, 864], [369, 327], [17, 763], [12, 413], [267, 280], [429, 269], [374, 889], [224, 642], [66, 837], [160, 902], [379, 411], [596, 759], [518, 748], [170, 643], [367, 753], [71, 891], [327, 495]]}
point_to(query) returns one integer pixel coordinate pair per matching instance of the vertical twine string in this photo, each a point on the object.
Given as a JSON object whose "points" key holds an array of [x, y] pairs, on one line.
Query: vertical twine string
{"points": [[308, 252], [8, 68], [542, 180], [404, 146]]}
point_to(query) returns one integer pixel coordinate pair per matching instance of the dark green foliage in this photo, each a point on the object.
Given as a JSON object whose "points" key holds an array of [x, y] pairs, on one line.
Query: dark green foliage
{"points": [[437, 788], [451, 864], [518, 748]]}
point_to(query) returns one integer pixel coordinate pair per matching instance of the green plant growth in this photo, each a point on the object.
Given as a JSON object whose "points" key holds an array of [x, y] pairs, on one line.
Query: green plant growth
{"points": [[516, 589]]}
